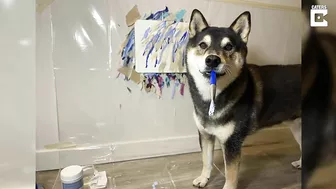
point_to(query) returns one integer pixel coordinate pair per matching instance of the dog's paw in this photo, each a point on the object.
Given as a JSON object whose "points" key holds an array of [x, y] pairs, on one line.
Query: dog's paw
{"points": [[297, 164], [200, 181]]}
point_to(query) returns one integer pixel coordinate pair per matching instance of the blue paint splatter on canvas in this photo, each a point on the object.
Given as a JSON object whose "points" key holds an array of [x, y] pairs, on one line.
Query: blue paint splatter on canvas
{"points": [[158, 80], [156, 40], [128, 51]]}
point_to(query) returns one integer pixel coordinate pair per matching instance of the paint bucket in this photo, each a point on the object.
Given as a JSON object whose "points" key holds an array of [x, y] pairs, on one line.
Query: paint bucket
{"points": [[72, 177]]}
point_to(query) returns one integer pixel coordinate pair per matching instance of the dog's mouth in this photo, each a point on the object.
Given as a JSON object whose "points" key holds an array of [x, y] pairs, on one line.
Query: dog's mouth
{"points": [[207, 73]]}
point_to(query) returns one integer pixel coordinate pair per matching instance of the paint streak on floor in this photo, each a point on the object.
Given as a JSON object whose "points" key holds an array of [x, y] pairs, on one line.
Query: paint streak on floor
{"points": [[266, 159]]}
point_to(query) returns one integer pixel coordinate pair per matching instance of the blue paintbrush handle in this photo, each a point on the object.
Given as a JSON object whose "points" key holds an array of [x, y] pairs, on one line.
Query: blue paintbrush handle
{"points": [[213, 78]]}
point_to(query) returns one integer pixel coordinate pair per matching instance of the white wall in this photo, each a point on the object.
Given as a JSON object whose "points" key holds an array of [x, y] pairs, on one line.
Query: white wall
{"points": [[95, 109], [17, 96], [46, 108]]}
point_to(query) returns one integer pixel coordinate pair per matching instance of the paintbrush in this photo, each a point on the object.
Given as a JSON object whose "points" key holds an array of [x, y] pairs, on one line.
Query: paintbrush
{"points": [[212, 92]]}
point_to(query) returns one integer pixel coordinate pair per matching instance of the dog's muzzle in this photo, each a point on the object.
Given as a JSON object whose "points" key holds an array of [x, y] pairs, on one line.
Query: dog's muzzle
{"points": [[212, 62]]}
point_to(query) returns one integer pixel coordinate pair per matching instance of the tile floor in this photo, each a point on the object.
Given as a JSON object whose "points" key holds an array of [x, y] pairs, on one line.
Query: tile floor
{"points": [[266, 159]]}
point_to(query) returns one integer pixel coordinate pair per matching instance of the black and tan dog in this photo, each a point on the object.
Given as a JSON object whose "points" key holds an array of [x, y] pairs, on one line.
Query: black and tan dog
{"points": [[318, 96], [248, 96]]}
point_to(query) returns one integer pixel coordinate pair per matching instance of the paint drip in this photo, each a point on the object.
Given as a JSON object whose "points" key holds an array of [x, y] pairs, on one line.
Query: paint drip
{"points": [[182, 89], [154, 185], [174, 89]]}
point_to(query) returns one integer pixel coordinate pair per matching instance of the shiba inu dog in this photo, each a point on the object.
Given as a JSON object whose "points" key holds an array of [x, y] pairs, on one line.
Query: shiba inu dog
{"points": [[248, 97], [318, 95]]}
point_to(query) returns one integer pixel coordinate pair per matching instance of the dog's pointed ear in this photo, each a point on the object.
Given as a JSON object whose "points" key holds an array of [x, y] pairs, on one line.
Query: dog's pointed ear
{"points": [[197, 23], [242, 25]]}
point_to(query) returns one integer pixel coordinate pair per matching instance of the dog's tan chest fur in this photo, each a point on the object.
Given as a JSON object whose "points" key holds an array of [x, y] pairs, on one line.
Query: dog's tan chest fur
{"points": [[222, 132]]}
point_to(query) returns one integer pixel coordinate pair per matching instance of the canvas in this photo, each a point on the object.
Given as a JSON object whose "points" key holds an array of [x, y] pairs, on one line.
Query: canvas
{"points": [[160, 46]]}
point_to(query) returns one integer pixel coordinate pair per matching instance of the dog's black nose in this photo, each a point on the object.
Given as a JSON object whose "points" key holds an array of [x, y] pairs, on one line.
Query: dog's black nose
{"points": [[212, 61]]}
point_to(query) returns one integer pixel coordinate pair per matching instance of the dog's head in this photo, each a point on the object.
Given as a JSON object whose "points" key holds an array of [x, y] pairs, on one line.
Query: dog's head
{"points": [[220, 49]]}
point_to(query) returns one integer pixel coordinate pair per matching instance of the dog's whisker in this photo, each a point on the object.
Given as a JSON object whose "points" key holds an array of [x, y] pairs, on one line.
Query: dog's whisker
{"points": [[228, 70]]}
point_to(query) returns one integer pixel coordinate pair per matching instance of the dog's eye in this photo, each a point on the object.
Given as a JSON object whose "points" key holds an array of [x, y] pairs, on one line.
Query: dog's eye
{"points": [[228, 47], [203, 45]]}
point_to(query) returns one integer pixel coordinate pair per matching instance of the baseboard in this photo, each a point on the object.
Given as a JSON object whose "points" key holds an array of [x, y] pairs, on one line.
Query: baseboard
{"points": [[122, 151]]}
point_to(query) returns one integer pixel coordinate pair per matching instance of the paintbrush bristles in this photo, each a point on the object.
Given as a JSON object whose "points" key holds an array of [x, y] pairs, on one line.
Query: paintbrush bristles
{"points": [[212, 102]]}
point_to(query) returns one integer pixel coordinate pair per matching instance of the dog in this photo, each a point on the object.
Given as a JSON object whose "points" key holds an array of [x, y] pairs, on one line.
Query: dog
{"points": [[248, 98], [318, 96]]}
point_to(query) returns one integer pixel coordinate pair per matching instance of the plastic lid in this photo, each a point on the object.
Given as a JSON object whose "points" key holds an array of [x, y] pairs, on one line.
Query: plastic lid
{"points": [[72, 173]]}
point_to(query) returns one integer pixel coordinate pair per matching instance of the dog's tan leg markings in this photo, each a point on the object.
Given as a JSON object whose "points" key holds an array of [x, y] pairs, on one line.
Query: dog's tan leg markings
{"points": [[231, 171], [207, 143], [295, 127]]}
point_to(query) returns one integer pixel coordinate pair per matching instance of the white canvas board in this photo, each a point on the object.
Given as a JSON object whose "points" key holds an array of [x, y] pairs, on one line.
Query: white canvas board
{"points": [[160, 46]]}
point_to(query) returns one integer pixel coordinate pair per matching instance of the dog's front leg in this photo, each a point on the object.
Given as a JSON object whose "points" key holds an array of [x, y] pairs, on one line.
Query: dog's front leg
{"points": [[295, 127], [207, 143], [231, 152]]}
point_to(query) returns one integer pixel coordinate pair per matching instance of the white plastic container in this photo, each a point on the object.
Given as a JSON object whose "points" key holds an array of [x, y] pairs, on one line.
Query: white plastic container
{"points": [[72, 177]]}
